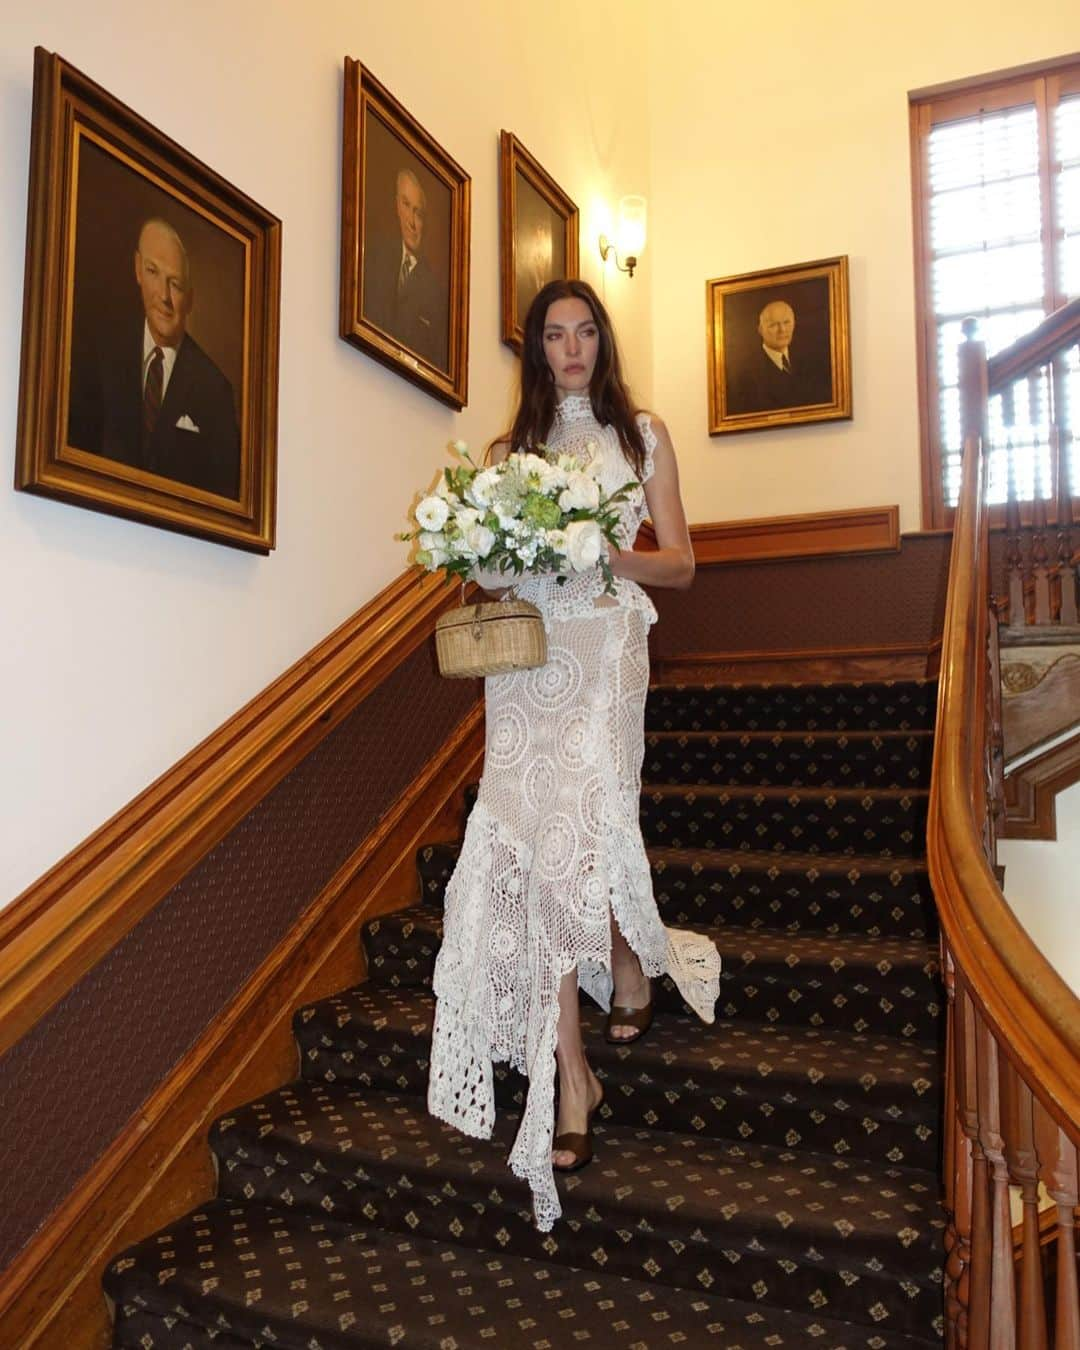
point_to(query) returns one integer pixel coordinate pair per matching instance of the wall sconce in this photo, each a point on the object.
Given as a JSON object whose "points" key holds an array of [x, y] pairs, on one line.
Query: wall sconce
{"points": [[629, 241]]}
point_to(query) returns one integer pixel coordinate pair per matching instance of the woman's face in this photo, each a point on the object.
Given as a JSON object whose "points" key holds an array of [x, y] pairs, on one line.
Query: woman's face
{"points": [[571, 345]]}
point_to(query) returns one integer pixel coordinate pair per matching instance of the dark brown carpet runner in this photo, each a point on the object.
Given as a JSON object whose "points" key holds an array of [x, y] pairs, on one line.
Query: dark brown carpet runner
{"points": [[769, 1181]]}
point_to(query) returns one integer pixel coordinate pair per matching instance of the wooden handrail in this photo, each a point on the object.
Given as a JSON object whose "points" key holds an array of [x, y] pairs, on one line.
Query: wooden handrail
{"points": [[1056, 333], [1012, 1075]]}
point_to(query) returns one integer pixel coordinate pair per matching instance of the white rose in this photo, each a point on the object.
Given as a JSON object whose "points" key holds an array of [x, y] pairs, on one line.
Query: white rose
{"points": [[480, 539], [466, 516], [432, 513], [430, 539], [583, 544], [582, 493]]}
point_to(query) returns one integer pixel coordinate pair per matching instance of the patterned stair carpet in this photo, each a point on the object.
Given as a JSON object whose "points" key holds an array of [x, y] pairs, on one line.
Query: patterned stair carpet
{"points": [[768, 1181]]}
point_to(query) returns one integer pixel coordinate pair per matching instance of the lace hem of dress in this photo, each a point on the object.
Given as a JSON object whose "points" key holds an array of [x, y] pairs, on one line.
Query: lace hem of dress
{"points": [[474, 1027]]}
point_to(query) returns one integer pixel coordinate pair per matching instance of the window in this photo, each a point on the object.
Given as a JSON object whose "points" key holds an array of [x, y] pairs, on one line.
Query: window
{"points": [[996, 177]]}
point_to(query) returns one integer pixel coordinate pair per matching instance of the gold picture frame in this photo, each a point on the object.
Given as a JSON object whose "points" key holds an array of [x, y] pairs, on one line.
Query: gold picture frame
{"points": [[115, 206], [404, 243], [538, 234], [779, 347]]}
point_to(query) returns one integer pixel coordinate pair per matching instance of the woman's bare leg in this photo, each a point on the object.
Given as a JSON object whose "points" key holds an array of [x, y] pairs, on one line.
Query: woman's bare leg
{"points": [[579, 1088], [631, 988]]}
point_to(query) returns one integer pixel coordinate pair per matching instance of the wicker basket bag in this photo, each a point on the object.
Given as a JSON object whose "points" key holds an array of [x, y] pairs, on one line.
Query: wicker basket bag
{"points": [[491, 638]]}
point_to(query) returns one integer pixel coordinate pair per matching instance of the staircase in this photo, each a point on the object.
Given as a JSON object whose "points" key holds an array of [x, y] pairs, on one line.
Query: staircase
{"points": [[770, 1180]]}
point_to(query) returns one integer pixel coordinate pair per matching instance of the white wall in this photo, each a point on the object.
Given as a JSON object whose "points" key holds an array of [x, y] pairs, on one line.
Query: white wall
{"points": [[1042, 884], [779, 135], [123, 645]]}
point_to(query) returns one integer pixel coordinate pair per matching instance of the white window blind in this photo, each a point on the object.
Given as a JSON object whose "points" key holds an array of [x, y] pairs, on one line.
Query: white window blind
{"points": [[1001, 224]]}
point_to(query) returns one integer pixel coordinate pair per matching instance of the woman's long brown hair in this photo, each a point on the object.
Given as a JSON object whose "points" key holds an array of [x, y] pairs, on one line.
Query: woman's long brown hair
{"points": [[610, 398]]}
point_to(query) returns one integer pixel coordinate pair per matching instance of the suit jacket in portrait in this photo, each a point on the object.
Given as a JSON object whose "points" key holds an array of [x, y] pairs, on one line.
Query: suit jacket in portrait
{"points": [[195, 440], [416, 315], [757, 384]]}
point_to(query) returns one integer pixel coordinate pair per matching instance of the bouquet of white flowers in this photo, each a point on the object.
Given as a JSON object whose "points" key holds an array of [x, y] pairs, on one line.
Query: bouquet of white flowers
{"points": [[525, 514]]}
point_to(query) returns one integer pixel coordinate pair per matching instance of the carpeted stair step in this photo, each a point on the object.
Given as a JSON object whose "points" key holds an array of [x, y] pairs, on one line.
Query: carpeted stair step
{"points": [[241, 1275], [882, 986], [900, 705], [835, 1237], [885, 759], [830, 1092], [886, 822], [882, 897]]}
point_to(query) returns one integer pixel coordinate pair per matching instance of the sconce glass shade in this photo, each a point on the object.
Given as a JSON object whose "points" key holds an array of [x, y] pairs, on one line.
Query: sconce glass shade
{"points": [[630, 234]]}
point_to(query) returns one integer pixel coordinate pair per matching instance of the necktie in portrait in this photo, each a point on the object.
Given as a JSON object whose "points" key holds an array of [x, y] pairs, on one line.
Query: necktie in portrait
{"points": [[152, 393]]}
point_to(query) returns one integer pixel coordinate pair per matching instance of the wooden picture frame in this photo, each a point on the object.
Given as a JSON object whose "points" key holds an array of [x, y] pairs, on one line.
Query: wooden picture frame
{"points": [[148, 383], [405, 207], [779, 347], [538, 234]]}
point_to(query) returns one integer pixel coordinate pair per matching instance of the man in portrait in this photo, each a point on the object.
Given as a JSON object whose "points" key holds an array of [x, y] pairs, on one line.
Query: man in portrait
{"points": [[401, 292], [145, 393], [774, 372]]}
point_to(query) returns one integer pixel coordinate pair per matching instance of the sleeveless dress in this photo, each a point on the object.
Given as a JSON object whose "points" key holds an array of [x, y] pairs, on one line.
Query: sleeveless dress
{"points": [[553, 844]]}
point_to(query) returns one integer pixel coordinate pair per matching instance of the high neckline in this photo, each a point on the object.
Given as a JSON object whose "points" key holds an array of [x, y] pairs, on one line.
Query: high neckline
{"points": [[575, 408]]}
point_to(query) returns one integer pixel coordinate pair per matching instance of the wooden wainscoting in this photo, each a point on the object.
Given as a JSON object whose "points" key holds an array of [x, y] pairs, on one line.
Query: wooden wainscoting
{"points": [[161, 1165], [868, 529], [903, 661], [65, 923]]}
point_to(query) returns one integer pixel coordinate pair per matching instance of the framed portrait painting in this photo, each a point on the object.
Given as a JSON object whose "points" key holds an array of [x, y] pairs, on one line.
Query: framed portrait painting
{"points": [[538, 235], [404, 243], [779, 347], [148, 386]]}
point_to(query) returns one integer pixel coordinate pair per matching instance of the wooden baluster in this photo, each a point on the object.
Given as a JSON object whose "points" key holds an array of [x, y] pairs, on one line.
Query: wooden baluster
{"points": [[1066, 575], [1058, 1172], [1002, 1328], [1040, 555], [978, 1337], [957, 1156], [1017, 1110], [1014, 550]]}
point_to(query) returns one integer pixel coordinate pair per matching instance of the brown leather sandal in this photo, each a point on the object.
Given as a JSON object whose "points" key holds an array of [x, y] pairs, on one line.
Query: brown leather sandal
{"points": [[580, 1145], [639, 1019]]}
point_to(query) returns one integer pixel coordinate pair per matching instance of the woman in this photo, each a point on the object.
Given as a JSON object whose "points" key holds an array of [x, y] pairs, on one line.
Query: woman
{"points": [[553, 890]]}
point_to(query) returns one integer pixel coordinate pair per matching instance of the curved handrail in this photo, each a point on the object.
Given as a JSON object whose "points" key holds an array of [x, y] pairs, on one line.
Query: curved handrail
{"points": [[1033, 1011], [1056, 332]]}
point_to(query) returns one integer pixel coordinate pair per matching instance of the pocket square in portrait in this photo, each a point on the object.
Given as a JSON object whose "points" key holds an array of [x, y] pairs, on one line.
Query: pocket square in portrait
{"points": [[186, 424]]}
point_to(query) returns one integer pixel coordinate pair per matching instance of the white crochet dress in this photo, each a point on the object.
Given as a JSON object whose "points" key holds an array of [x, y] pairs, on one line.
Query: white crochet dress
{"points": [[554, 841]]}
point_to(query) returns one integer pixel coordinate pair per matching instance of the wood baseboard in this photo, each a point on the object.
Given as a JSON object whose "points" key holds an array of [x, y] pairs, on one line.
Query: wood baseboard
{"points": [[1031, 791], [161, 1166], [62, 925], [904, 661], [870, 529]]}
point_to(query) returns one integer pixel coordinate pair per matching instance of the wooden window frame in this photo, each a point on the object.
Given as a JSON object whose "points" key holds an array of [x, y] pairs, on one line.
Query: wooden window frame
{"points": [[1041, 85]]}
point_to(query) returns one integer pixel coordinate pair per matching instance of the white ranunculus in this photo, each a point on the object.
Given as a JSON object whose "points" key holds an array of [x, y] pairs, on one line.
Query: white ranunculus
{"points": [[556, 540], [432, 513], [583, 544], [482, 486], [582, 493], [480, 539]]}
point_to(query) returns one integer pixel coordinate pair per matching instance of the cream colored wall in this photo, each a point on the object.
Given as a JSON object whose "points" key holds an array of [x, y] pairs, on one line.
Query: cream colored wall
{"points": [[123, 646], [779, 135]]}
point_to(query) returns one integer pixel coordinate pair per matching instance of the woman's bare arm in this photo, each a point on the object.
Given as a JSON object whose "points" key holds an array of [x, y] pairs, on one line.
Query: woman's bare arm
{"points": [[672, 563]]}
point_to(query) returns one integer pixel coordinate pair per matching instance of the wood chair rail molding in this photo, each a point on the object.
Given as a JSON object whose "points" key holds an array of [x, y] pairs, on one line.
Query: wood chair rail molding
{"points": [[867, 529], [161, 1166], [64, 923]]}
